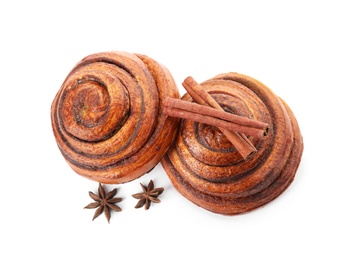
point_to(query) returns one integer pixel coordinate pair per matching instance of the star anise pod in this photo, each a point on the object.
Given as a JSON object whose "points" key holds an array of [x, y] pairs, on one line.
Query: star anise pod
{"points": [[148, 195], [104, 202]]}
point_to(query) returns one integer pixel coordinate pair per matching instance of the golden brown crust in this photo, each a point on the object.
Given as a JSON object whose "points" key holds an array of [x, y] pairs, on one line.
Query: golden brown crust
{"points": [[205, 168], [107, 117]]}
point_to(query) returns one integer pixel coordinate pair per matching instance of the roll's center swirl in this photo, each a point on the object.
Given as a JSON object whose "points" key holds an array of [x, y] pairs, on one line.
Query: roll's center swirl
{"points": [[214, 137], [94, 105], [90, 105]]}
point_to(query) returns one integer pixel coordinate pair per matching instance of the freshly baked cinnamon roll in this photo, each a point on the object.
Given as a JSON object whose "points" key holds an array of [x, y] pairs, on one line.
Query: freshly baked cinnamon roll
{"points": [[207, 169], [107, 116]]}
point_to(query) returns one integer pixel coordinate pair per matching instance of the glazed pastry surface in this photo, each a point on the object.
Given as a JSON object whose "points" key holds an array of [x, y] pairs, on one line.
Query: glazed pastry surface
{"points": [[205, 167]]}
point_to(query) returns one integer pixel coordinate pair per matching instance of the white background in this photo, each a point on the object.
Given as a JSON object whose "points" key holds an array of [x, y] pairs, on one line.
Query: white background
{"points": [[305, 51]]}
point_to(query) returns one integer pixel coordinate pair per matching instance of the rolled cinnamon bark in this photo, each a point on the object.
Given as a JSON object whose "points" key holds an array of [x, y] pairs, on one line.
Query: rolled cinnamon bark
{"points": [[210, 116], [107, 117], [206, 168]]}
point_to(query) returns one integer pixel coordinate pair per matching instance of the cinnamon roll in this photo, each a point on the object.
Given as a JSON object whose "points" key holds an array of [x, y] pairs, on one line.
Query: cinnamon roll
{"points": [[107, 116], [207, 169]]}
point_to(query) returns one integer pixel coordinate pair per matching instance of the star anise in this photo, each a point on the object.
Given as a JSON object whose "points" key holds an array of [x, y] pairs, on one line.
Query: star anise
{"points": [[148, 195], [104, 202]]}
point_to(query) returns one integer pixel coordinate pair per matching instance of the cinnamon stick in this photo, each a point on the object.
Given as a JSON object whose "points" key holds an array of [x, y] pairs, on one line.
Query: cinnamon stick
{"points": [[210, 116], [213, 121], [178, 104], [239, 141]]}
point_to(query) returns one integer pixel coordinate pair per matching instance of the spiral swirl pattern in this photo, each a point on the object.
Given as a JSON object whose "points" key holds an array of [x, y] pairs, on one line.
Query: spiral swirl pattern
{"points": [[107, 117], [205, 167]]}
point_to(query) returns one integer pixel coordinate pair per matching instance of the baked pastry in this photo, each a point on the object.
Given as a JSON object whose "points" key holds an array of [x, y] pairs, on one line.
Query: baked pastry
{"points": [[207, 169], [107, 116]]}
